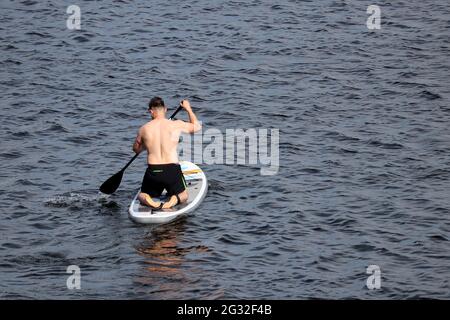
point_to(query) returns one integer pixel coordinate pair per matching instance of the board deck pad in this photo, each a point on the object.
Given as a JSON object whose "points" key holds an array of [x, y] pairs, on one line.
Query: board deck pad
{"points": [[197, 186]]}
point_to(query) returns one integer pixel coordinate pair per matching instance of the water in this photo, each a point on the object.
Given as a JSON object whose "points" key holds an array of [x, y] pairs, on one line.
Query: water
{"points": [[364, 148]]}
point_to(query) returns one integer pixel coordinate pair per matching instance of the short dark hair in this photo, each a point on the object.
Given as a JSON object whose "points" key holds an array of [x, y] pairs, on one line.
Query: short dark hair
{"points": [[156, 102]]}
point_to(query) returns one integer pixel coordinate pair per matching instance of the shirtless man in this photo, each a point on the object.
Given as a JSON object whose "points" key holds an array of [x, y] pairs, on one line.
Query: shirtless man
{"points": [[160, 138]]}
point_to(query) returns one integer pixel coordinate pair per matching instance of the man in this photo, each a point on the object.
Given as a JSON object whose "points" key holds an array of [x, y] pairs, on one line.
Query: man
{"points": [[160, 138]]}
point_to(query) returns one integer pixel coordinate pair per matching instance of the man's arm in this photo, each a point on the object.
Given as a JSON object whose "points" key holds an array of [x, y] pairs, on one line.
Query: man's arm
{"points": [[193, 125], [138, 145]]}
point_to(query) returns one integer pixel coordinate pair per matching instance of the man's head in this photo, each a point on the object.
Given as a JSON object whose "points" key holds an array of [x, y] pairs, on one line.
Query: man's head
{"points": [[156, 107]]}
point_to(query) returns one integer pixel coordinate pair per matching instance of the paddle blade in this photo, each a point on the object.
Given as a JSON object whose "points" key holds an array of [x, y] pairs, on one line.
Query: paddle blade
{"points": [[111, 185]]}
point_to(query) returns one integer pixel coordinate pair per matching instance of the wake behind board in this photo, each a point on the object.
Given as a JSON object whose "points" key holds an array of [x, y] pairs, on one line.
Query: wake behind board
{"points": [[197, 186]]}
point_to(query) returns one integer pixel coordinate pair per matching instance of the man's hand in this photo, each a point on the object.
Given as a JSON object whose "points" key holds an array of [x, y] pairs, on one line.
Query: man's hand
{"points": [[186, 105], [193, 125]]}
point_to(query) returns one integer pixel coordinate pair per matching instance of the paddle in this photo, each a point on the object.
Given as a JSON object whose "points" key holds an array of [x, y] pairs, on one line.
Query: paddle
{"points": [[111, 185]]}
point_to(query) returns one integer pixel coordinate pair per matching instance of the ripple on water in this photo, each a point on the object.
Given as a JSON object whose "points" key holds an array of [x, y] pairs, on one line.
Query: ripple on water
{"points": [[363, 150], [76, 199]]}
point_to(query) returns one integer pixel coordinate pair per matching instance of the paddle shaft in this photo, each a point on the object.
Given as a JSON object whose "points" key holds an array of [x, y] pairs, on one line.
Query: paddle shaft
{"points": [[129, 162]]}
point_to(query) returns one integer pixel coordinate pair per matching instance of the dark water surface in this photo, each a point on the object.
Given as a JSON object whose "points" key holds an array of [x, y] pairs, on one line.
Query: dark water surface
{"points": [[364, 148]]}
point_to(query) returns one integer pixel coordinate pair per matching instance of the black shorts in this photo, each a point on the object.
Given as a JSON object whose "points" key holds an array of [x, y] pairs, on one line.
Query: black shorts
{"points": [[163, 176]]}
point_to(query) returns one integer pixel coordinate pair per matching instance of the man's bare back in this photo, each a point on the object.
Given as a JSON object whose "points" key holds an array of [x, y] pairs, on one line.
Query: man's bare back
{"points": [[160, 138]]}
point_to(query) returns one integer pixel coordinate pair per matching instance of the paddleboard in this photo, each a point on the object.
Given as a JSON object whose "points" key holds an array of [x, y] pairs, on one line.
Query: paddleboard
{"points": [[197, 186]]}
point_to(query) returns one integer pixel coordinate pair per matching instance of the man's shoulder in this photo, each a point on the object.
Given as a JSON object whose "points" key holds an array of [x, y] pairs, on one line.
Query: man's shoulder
{"points": [[145, 126]]}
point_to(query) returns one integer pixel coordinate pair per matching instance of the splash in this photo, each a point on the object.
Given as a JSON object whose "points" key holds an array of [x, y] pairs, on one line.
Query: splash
{"points": [[76, 199]]}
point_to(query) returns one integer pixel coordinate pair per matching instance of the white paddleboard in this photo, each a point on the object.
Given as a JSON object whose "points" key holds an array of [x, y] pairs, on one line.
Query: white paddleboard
{"points": [[197, 186]]}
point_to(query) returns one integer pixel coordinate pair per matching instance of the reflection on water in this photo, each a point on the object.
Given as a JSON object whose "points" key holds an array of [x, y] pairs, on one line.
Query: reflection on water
{"points": [[164, 256], [364, 150]]}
